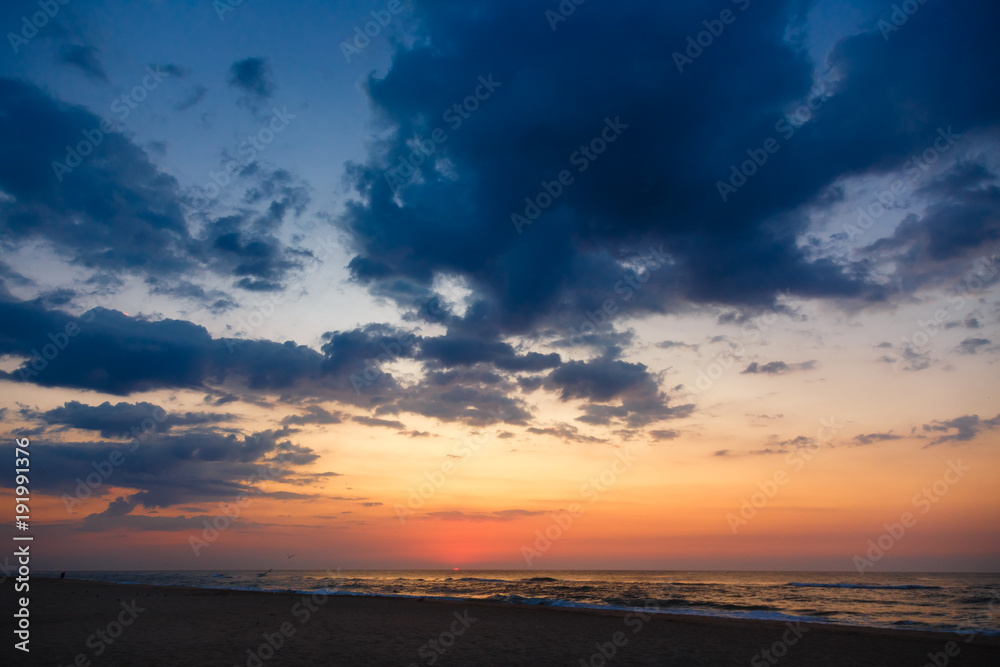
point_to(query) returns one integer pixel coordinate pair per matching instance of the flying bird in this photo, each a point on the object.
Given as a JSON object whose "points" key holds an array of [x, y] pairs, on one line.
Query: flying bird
{"points": [[264, 574], [291, 555]]}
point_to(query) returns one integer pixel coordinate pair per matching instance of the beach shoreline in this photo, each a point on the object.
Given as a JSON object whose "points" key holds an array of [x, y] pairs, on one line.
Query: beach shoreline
{"points": [[78, 622]]}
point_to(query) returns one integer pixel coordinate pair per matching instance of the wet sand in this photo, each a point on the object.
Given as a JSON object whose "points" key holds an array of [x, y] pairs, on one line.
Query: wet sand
{"points": [[87, 623]]}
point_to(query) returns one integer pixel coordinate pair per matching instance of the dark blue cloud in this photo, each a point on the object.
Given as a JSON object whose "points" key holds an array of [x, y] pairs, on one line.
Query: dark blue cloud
{"points": [[73, 181], [614, 391], [114, 420], [170, 470], [599, 380], [642, 229], [196, 95], [111, 209], [110, 352], [85, 59], [252, 76], [959, 226], [467, 351], [657, 182]]}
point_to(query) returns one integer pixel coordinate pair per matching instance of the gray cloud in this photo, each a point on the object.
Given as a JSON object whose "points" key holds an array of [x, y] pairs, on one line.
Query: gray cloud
{"points": [[965, 428], [314, 414], [502, 515], [375, 421], [869, 438], [120, 419], [973, 345], [777, 368]]}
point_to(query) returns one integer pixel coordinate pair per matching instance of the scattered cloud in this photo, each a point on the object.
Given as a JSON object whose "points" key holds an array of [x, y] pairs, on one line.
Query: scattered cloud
{"points": [[909, 358], [196, 95], [375, 421], [671, 344], [480, 517], [252, 76], [313, 414], [566, 432], [973, 345], [125, 420], [777, 368], [869, 438], [965, 428], [84, 59]]}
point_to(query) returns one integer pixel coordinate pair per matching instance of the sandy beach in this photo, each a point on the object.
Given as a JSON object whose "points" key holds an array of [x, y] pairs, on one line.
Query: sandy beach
{"points": [[86, 623]]}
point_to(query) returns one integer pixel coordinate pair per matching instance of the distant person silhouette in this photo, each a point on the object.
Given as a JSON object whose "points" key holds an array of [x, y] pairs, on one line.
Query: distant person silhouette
{"points": [[62, 576]]}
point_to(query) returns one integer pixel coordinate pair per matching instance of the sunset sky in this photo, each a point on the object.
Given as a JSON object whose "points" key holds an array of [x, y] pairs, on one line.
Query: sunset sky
{"points": [[720, 278]]}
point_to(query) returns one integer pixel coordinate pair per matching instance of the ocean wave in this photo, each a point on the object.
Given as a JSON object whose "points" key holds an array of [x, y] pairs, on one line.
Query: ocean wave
{"points": [[721, 606], [774, 598], [900, 587], [829, 612]]}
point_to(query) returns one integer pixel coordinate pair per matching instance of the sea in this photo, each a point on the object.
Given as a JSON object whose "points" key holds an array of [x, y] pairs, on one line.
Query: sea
{"points": [[965, 603]]}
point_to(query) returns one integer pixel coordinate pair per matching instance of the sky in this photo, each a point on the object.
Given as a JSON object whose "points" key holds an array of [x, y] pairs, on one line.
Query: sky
{"points": [[520, 284]]}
